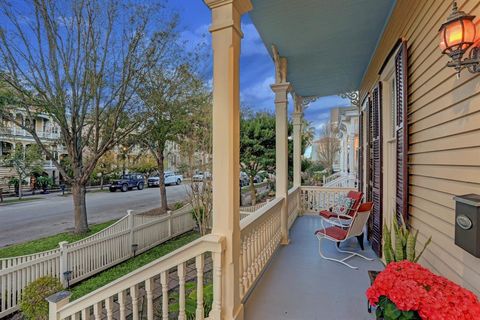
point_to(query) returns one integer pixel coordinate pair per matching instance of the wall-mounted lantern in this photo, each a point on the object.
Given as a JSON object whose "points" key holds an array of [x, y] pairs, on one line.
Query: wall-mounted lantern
{"points": [[457, 35]]}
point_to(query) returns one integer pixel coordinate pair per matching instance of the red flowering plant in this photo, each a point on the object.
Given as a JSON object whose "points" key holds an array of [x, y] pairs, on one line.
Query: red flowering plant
{"points": [[406, 290]]}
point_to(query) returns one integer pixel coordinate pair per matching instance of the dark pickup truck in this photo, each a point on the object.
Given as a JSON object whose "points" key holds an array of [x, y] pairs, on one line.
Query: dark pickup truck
{"points": [[128, 182]]}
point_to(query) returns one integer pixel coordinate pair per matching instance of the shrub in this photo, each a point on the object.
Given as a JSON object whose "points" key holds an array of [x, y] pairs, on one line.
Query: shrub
{"points": [[33, 304]]}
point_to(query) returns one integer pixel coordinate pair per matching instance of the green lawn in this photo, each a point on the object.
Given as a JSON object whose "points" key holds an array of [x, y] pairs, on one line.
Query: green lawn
{"points": [[130, 265], [48, 243]]}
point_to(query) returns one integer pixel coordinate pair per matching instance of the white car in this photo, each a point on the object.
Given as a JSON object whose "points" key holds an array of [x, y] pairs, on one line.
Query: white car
{"points": [[200, 176], [170, 178]]}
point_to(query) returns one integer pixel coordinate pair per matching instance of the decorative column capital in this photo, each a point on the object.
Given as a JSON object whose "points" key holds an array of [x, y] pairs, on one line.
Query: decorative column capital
{"points": [[227, 13], [281, 91]]}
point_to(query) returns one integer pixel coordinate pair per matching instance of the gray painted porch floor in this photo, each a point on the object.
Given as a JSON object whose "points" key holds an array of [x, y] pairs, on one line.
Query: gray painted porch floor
{"points": [[299, 285]]}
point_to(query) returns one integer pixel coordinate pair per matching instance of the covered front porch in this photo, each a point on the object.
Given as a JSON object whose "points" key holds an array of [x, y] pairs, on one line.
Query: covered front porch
{"points": [[298, 284], [266, 265]]}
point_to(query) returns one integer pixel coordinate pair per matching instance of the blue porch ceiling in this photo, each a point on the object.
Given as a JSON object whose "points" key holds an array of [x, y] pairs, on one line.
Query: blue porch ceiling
{"points": [[328, 43]]}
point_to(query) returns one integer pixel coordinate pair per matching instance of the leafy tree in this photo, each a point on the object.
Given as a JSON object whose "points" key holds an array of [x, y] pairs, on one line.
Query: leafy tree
{"points": [[145, 164], [257, 145], [106, 165], [25, 163], [171, 91], [80, 63]]}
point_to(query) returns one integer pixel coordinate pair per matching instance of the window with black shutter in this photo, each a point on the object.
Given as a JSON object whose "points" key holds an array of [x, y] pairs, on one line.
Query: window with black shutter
{"points": [[401, 130]]}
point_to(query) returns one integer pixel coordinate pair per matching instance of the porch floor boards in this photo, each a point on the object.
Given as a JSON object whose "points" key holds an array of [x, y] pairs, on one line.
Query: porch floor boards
{"points": [[299, 285]]}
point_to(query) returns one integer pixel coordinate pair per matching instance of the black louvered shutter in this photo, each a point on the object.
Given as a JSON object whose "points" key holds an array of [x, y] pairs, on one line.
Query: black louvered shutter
{"points": [[369, 163], [401, 129], [377, 177], [360, 158]]}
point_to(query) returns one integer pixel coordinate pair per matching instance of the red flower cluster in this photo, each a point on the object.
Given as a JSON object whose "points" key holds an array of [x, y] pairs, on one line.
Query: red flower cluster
{"points": [[412, 287]]}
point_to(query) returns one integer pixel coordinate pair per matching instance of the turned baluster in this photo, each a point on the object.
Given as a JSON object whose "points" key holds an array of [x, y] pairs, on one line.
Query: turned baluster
{"points": [[149, 287], [181, 289], [109, 308], [134, 295], [164, 282], [122, 298], [199, 265]]}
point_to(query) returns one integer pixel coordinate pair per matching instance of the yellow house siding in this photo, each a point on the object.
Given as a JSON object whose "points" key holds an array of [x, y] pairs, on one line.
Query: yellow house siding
{"points": [[444, 132]]}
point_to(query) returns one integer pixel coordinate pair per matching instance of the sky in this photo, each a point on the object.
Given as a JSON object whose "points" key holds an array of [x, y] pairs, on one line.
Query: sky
{"points": [[256, 65]]}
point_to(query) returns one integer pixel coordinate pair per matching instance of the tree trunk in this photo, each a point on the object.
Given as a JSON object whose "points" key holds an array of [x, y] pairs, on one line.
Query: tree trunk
{"points": [[20, 188], [161, 182], [253, 191], [79, 208]]}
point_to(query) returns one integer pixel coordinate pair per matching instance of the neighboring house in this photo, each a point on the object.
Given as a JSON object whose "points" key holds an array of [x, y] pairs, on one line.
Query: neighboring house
{"points": [[12, 136], [346, 120]]}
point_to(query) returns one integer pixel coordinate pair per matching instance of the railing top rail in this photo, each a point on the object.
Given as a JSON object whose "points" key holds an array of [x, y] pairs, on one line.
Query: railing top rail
{"points": [[207, 243], [37, 254], [294, 189], [258, 215], [90, 237], [317, 188]]}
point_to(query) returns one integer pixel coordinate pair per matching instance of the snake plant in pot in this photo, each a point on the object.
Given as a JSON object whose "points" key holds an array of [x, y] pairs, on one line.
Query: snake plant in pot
{"points": [[403, 245]]}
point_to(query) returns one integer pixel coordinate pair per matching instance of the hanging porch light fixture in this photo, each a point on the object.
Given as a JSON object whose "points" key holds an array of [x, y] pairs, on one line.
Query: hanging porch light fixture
{"points": [[457, 35]]}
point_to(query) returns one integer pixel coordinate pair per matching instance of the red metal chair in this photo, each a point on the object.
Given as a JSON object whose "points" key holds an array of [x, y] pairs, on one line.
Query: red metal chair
{"points": [[338, 233], [356, 196], [345, 218]]}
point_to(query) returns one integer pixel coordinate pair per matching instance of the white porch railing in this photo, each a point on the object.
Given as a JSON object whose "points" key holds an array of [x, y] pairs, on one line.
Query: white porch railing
{"points": [[259, 238], [246, 211], [122, 297], [315, 199], [331, 177], [91, 255], [293, 205], [342, 181]]}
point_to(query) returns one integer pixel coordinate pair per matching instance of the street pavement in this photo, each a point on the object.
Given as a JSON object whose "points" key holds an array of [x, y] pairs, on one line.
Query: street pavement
{"points": [[53, 213]]}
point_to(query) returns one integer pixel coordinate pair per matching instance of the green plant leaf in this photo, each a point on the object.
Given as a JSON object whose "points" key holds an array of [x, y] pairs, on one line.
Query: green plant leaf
{"points": [[391, 311]]}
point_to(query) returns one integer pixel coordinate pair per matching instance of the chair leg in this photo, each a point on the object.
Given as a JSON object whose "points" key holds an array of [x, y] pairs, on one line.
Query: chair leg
{"points": [[360, 241], [332, 259], [352, 254]]}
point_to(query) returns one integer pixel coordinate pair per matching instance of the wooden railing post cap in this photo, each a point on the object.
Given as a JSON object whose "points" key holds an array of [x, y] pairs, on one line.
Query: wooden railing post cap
{"points": [[62, 244], [56, 301], [59, 297]]}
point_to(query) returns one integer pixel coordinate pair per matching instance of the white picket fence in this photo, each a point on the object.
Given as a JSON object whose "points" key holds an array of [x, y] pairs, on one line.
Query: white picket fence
{"points": [[91, 255]]}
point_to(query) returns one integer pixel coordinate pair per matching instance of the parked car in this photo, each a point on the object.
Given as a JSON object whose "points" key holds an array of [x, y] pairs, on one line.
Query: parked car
{"points": [[244, 179], [200, 176], [170, 178], [128, 182]]}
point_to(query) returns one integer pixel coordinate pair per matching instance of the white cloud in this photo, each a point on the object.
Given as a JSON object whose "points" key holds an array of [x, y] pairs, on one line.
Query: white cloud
{"points": [[252, 44], [260, 94]]}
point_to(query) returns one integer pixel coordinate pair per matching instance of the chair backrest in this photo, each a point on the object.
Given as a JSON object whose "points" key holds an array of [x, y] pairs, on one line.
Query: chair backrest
{"points": [[360, 220], [356, 196]]}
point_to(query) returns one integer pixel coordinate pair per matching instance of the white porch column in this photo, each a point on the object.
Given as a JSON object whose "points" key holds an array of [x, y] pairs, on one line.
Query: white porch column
{"points": [[297, 141], [281, 157], [351, 150], [226, 38]]}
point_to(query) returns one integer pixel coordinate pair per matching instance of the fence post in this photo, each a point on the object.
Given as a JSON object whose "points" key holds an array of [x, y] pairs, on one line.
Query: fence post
{"points": [[63, 262], [169, 214], [56, 302], [131, 225]]}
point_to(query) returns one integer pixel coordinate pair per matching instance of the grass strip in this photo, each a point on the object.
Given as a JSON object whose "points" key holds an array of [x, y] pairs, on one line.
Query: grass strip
{"points": [[50, 242], [118, 271]]}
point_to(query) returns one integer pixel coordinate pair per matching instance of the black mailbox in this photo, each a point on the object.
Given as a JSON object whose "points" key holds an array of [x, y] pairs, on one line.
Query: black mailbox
{"points": [[467, 223]]}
